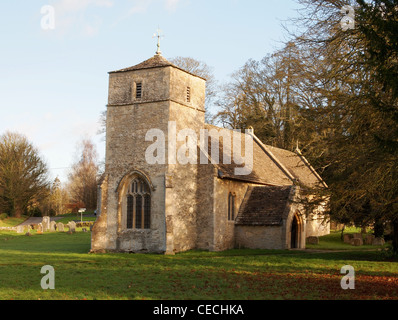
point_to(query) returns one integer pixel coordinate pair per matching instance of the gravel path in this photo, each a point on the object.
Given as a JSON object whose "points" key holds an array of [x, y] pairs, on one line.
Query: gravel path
{"points": [[37, 220]]}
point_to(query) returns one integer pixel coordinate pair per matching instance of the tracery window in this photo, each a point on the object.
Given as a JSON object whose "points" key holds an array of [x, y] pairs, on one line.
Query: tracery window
{"points": [[139, 205]]}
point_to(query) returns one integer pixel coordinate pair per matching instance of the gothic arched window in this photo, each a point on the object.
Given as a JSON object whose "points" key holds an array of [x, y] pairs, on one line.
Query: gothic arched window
{"points": [[139, 205]]}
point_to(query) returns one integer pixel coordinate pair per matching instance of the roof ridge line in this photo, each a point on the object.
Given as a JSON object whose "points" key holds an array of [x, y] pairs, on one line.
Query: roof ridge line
{"points": [[273, 157], [142, 66], [316, 174]]}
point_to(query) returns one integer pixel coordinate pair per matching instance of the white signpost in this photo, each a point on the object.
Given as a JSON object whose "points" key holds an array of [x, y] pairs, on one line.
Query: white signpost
{"points": [[81, 211]]}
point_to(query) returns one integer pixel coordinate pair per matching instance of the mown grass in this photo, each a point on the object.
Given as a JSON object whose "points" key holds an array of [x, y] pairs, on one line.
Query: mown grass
{"points": [[194, 275], [12, 221], [87, 217], [333, 242]]}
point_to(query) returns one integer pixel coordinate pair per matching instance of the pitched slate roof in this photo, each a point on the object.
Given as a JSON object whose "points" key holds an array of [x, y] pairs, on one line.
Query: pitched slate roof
{"points": [[271, 166], [154, 62], [265, 206], [157, 61]]}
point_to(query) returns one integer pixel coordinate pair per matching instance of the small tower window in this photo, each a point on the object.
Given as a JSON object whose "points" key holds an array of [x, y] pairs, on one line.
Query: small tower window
{"points": [[188, 94], [138, 90]]}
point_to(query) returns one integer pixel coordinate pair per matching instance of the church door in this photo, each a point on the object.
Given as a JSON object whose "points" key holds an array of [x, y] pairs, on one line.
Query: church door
{"points": [[294, 233]]}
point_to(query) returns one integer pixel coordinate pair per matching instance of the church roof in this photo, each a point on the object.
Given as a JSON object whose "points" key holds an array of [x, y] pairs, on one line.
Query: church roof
{"points": [[157, 61], [271, 166], [265, 206]]}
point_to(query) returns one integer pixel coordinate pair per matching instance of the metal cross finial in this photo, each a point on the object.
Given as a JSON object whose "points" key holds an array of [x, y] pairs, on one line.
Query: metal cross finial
{"points": [[158, 35]]}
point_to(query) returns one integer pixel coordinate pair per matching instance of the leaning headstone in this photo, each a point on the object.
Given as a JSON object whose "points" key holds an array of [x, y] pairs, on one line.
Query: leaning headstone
{"points": [[356, 242], [312, 240], [53, 226], [378, 242], [369, 239], [46, 224], [72, 226], [60, 227], [347, 237]]}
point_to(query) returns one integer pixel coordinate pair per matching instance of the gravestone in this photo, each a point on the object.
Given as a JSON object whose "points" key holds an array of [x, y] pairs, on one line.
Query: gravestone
{"points": [[347, 238], [72, 226], [20, 229], [53, 226], [369, 239], [60, 227], [39, 228], [356, 242], [312, 240], [46, 224], [378, 242]]}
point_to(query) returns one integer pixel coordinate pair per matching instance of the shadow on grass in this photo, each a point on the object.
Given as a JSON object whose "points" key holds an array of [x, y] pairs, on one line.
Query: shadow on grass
{"points": [[229, 275]]}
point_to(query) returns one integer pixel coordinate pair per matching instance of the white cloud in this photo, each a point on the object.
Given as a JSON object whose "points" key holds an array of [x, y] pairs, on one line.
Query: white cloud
{"points": [[72, 6], [70, 16], [141, 6], [171, 5]]}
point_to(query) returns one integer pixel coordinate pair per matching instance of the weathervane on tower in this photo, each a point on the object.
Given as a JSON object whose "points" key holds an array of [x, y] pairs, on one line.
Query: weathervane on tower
{"points": [[158, 35]]}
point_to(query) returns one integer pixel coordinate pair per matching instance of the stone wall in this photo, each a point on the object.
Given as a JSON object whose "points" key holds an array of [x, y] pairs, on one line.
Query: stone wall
{"points": [[155, 86], [224, 230], [99, 232], [317, 225], [174, 204], [259, 237], [179, 82], [205, 197], [181, 197], [128, 121], [125, 158]]}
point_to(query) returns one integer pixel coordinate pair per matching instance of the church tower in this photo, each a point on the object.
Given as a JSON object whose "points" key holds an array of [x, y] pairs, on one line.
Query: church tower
{"points": [[142, 207]]}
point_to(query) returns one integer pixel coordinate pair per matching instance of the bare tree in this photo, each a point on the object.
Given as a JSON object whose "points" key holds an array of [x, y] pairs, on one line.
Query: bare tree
{"points": [[83, 178], [58, 198], [263, 95]]}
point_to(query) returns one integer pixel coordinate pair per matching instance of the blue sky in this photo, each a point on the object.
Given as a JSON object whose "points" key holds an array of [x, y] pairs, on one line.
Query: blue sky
{"points": [[54, 83]]}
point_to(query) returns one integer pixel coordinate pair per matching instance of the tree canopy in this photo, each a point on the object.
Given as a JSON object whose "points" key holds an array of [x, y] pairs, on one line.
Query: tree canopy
{"points": [[23, 174]]}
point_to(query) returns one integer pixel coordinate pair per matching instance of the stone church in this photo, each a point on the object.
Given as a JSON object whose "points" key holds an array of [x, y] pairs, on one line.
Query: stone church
{"points": [[170, 207]]}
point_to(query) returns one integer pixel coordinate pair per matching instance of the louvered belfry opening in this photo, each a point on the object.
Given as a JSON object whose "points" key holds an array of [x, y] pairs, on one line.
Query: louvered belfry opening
{"points": [[139, 205], [138, 90], [188, 94]]}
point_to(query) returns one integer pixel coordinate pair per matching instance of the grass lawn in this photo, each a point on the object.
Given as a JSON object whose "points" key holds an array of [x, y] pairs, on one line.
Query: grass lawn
{"points": [[87, 217], [333, 242], [12, 221], [230, 275]]}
